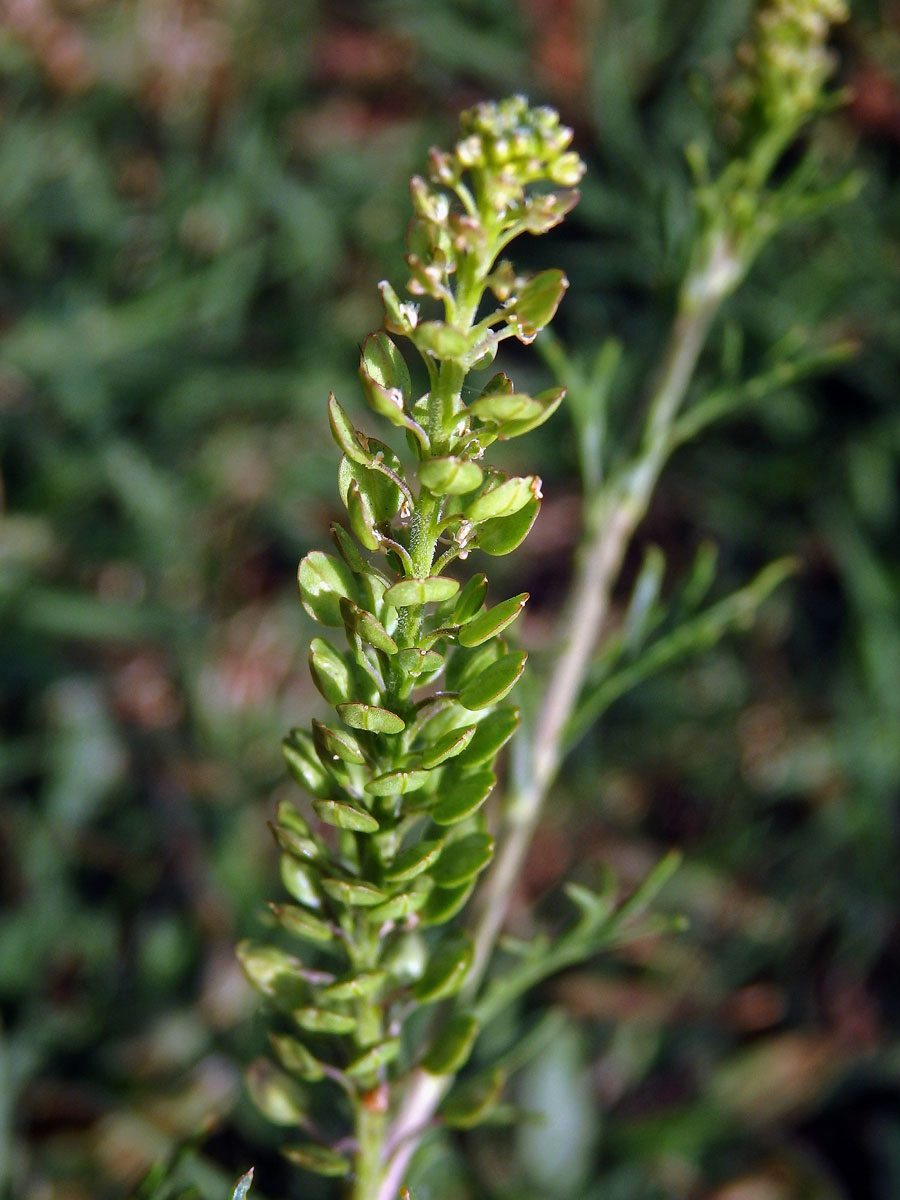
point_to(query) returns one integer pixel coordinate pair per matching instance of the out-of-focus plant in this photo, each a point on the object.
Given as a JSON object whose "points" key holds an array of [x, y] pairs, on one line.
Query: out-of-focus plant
{"points": [[390, 1013]]}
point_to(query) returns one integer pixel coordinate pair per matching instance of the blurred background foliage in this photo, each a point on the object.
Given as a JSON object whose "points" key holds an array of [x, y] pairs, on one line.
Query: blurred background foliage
{"points": [[196, 200]]}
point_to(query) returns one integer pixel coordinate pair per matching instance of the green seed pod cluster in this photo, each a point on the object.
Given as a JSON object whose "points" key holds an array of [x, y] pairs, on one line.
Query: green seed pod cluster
{"points": [[392, 837]]}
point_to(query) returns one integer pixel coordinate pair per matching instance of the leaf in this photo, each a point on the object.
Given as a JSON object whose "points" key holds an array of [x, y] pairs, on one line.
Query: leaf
{"points": [[463, 859], [451, 1049], [345, 816], [447, 969], [396, 783], [336, 744], [450, 476], [495, 683], [462, 796], [537, 303], [412, 862], [323, 580], [502, 535], [370, 718], [453, 742], [322, 1020], [329, 671], [470, 600], [492, 733], [503, 499], [434, 588], [318, 1159], [492, 621]]}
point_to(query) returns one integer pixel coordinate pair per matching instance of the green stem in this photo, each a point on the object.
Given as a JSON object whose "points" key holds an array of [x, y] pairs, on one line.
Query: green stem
{"points": [[370, 1128]]}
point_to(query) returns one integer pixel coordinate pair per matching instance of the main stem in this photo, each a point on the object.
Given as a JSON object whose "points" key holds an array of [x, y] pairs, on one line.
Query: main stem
{"points": [[611, 520]]}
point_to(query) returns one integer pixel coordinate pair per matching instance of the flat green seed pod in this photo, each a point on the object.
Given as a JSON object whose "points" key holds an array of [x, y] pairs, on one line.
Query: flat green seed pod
{"points": [[492, 621], [537, 302], [469, 600], [396, 783], [495, 683], [375, 1057], [421, 591], [275, 1094], [329, 672], [503, 534], [447, 969], [302, 924], [304, 848], [322, 1020], [402, 905], [450, 476], [319, 1160], [370, 718], [473, 1103], [498, 407], [493, 732], [334, 744], [462, 796], [354, 895], [304, 764], [299, 881], [345, 816], [349, 439], [357, 620], [444, 903], [463, 859], [383, 363], [453, 742], [323, 580], [412, 862], [362, 517], [354, 987], [451, 1049], [503, 499], [465, 664], [268, 968], [549, 402], [415, 662], [295, 1057]]}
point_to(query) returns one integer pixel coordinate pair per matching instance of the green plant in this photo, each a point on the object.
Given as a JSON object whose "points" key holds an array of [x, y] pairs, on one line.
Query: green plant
{"points": [[398, 787]]}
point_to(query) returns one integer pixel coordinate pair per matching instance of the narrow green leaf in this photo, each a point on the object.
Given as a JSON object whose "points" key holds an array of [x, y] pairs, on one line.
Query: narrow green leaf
{"points": [[502, 535], [396, 783], [370, 718], [421, 591], [318, 1160], [322, 1020], [503, 499], [412, 862], [462, 860], [453, 742], [462, 796], [451, 1049], [495, 683], [353, 894], [345, 816], [336, 744], [450, 476], [323, 580], [493, 732], [492, 621], [447, 969]]}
